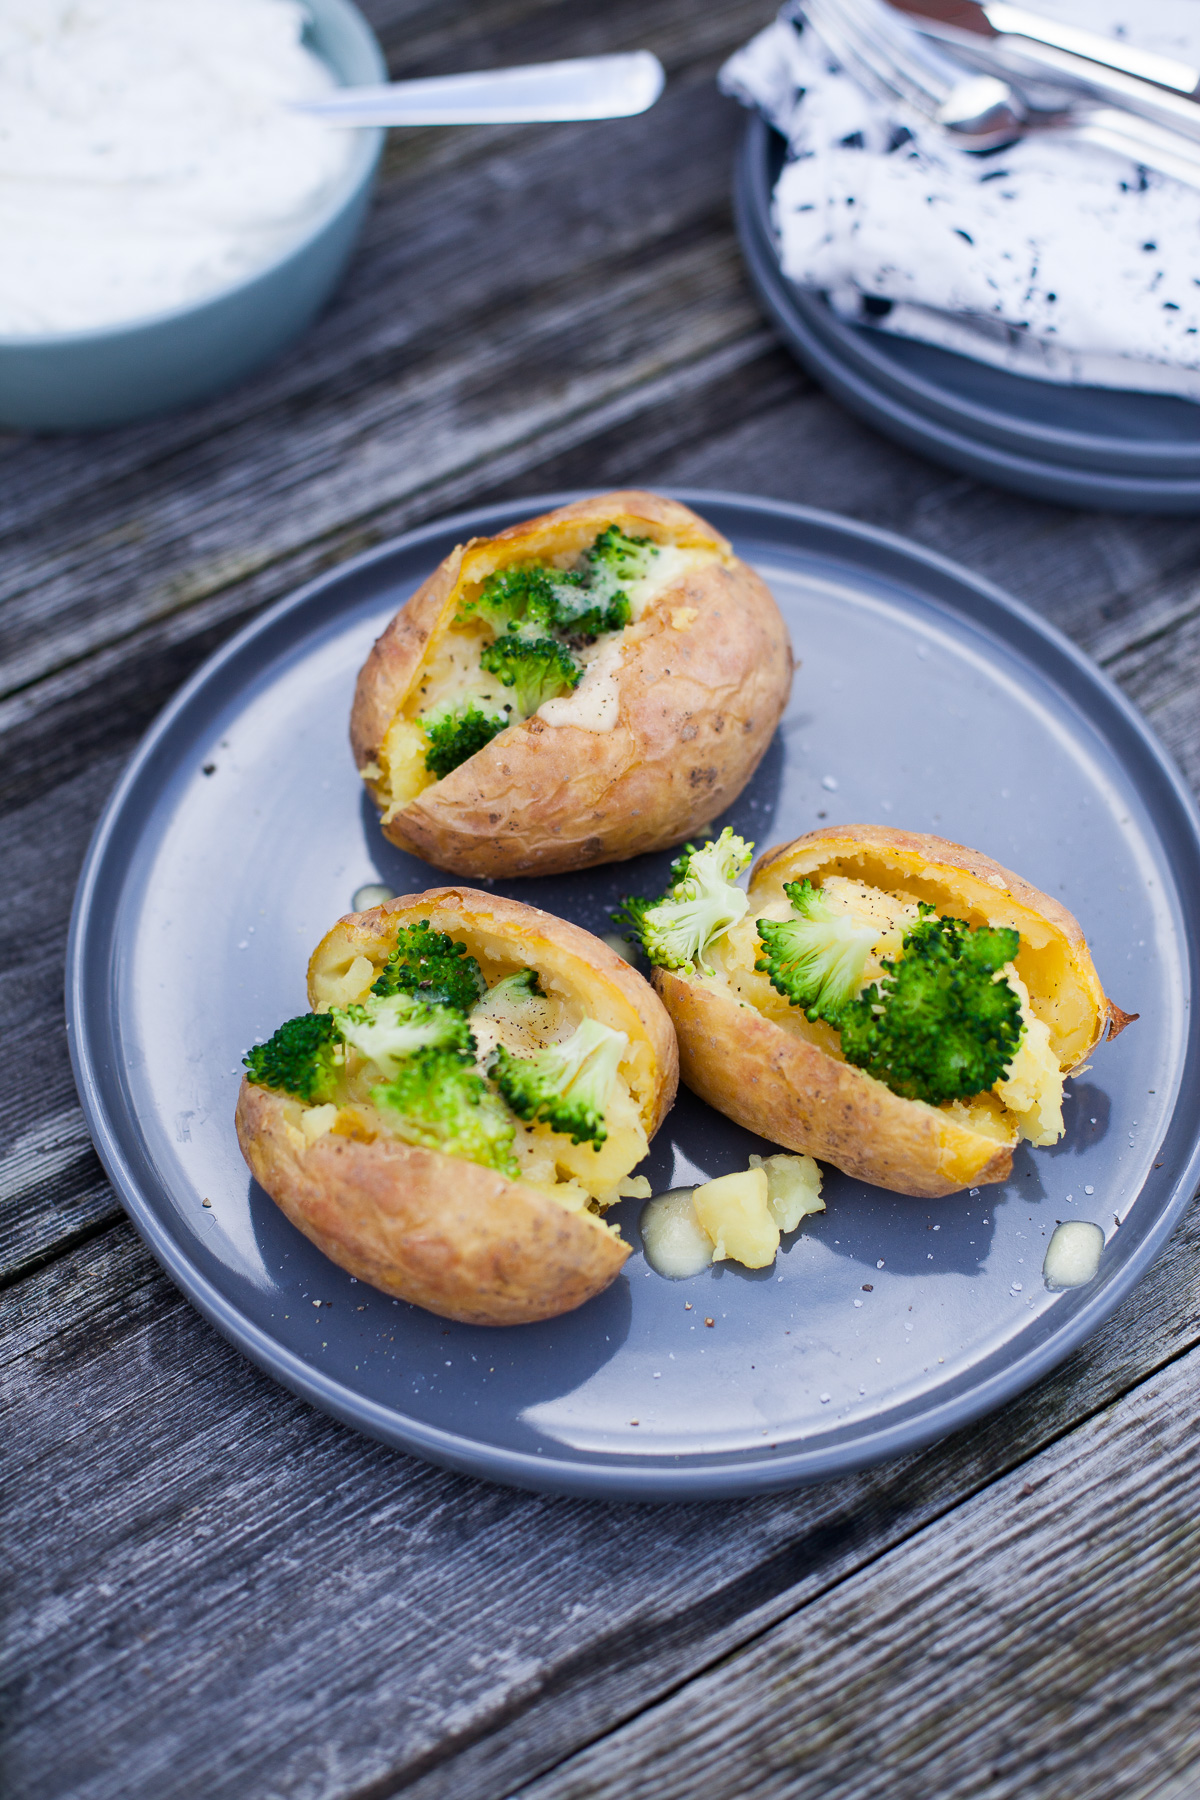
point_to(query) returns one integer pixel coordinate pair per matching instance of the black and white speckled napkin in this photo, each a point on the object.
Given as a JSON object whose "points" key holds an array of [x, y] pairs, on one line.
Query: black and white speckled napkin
{"points": [[1048, 258]]}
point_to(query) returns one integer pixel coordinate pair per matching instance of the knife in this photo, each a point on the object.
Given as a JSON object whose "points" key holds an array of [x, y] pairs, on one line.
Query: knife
{"points": [[996, 19]]}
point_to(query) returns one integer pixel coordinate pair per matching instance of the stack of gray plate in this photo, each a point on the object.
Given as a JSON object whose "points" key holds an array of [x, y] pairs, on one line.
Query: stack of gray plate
{"points": [[1097, 447]]}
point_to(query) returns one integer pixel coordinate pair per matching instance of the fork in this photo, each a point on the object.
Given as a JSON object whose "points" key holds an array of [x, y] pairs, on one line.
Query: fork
{"points": [[980, 112]]}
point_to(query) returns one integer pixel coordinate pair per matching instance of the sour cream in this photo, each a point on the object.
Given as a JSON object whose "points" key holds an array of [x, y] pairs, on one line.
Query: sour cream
{"points": [[148, 158]]}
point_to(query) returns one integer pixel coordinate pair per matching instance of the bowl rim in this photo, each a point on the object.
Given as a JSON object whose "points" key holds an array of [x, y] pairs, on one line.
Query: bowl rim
{"points": [[357, 175]]}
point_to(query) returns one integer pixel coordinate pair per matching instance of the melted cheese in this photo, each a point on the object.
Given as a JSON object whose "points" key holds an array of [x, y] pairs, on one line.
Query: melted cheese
{"points": [[669, 566], [596, 703]]}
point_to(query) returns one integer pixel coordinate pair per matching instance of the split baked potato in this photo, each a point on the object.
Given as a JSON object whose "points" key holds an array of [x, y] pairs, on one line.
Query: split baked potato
{"points": [[886, 1001], [472, 1089], [578, 689]]}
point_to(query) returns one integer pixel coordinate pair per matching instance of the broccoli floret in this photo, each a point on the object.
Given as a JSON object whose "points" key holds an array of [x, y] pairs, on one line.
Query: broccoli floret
{"points": [[613, 562], [815, 960], [616, 558], [301, 1058], [427, 963], [530, 600], [456, 733], [566, 1085], [527, 598], [701, 903], [537, 668], [438, 1100], [939, 1025], [386, 1030]]}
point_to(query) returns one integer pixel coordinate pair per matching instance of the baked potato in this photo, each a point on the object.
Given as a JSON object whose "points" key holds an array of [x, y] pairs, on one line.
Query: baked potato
{"points": [[470, 1092], [578, 689], [886, 1001]]}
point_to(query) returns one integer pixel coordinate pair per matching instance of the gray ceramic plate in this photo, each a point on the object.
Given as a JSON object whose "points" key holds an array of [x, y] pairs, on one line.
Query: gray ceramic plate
{"points": [[1098, 447], [924, 698]]}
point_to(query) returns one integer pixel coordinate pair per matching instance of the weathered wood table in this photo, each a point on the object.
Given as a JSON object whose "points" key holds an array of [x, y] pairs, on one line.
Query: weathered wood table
{"points": [[210, 1590]]}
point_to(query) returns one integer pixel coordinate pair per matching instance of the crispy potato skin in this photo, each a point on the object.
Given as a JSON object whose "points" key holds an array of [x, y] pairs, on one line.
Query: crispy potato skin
{"points": [[698, 707], [792, 1092], [449, 1235]]}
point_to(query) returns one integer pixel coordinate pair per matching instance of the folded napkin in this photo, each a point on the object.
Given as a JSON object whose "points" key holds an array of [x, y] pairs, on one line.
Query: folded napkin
{"points": [[1047, 258]]}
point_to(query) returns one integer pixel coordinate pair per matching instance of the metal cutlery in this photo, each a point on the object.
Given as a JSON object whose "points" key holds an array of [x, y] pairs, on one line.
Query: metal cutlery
{"points": [[1069, 75], [993, 19], [981, 112], [584, 87]]}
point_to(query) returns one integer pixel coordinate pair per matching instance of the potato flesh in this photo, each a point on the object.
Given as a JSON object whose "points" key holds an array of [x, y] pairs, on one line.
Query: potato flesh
{"points": [[793, 1187], [734, 1212], [1025, 1103], [523, 1026], [451, 673], [891, 915], [578, 1175], [745, 1214], [549, 1157], [1032, 1087]]}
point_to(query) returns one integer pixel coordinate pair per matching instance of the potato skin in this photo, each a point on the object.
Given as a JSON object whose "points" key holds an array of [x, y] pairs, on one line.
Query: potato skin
{"points": [[698, 707], [461, 1240], [795, 1094]]}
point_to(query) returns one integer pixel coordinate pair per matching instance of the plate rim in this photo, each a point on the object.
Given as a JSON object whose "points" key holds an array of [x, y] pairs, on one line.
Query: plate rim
{"points": [[622, 1475], [908, 407]]}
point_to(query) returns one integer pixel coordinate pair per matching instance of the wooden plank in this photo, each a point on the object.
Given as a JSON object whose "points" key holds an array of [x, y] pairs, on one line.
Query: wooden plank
{"points": [[1042, 1640], [186, 1542], [1160, 674], [52, 1188]]}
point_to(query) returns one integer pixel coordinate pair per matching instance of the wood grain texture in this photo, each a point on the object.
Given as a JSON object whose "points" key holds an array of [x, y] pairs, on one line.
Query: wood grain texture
{"points": [[243, 1558], [211, 1590], [1043, 1639]]}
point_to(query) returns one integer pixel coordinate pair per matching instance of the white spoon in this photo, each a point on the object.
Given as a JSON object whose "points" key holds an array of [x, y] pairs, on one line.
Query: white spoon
{"points": [[585, 87]]}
